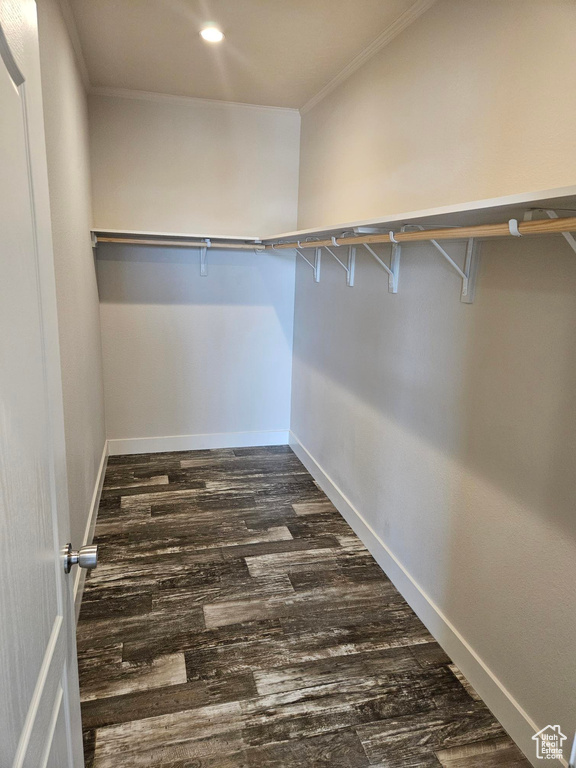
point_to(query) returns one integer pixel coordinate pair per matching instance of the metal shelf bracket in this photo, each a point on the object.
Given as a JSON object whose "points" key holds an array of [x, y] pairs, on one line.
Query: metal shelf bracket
{"points": [[203, 251], [570, 239], [351, 266], [470, 271], [317, 260], [394, 269]]}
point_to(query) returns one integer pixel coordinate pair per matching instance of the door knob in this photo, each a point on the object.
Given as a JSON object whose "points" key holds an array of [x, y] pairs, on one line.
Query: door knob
{"points": [[86, 557]]}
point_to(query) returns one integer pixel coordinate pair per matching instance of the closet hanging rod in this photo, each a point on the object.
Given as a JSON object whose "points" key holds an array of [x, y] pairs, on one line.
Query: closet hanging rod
{"points": [[510, 228], [180, 243]]}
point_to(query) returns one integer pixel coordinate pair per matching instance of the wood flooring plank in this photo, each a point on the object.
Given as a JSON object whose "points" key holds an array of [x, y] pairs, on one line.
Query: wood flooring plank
{"points": [[264, 450], [139, 705], [314, 526], [341, 749], [237, 467], [207, 645], [149, 627], [343, 571], [125, 677], [117, 483], [406, 740], [89, 742], [118, 602], [371, 666], [494, 753], [303, 560], [181, 535], [227, 588], [430, 655], [238, 611], [462, 680], [192, 734], [145, 488], [128, 459], [279, 649], [322, 506], [285, 545]]}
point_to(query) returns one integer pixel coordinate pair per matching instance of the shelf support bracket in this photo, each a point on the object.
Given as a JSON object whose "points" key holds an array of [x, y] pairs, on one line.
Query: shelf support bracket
{"points": [[317, 262], [203, 250], [468, 274], [351, 265], [471, 270], [394, 269], [350, 268], [570, 239], [94, 239]]}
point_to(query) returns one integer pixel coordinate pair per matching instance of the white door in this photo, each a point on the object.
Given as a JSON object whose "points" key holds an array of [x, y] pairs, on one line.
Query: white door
{"points": [[39, 699]]}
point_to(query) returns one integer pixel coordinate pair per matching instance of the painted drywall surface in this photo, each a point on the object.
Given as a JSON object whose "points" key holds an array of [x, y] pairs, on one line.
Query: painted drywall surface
{"points": [[451, 429], [192, 355], [471, 101], [193, 167], [66, 125]]}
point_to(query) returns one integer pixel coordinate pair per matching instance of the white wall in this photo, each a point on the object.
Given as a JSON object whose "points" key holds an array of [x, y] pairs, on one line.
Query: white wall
{"points": [[472, 101], [450, 428], [66, 125], [186, 355], [193, 166]]}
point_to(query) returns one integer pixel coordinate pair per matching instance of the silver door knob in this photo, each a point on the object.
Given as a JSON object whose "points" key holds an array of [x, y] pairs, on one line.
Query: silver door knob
{"points": [[86, 557]]}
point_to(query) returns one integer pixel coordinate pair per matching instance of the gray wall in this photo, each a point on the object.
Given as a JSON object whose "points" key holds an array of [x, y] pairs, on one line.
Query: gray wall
{"points": [[185, 356], [469, 102], [169, 164], [190, 355], [451, 428], [66, 124]]}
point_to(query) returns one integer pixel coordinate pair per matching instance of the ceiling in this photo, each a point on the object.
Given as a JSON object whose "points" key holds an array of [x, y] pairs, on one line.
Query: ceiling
{"points": [[275, 52]]}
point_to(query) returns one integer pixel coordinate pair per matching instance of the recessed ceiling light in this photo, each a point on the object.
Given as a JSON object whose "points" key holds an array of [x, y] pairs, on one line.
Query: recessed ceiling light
{"points": [[212, 34]]}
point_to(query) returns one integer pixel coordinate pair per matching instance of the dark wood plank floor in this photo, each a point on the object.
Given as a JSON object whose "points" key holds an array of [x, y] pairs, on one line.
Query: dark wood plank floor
{"points": [[235, 621]]}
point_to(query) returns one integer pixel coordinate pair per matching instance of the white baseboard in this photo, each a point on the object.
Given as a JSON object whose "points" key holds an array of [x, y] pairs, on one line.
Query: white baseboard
{"points": [[90, 526], [499, 700], [197, 442]]}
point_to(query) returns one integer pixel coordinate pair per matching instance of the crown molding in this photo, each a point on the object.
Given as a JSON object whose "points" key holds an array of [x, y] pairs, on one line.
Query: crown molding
{"points": [[393, 30], [70, 22], [167, 98]]}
